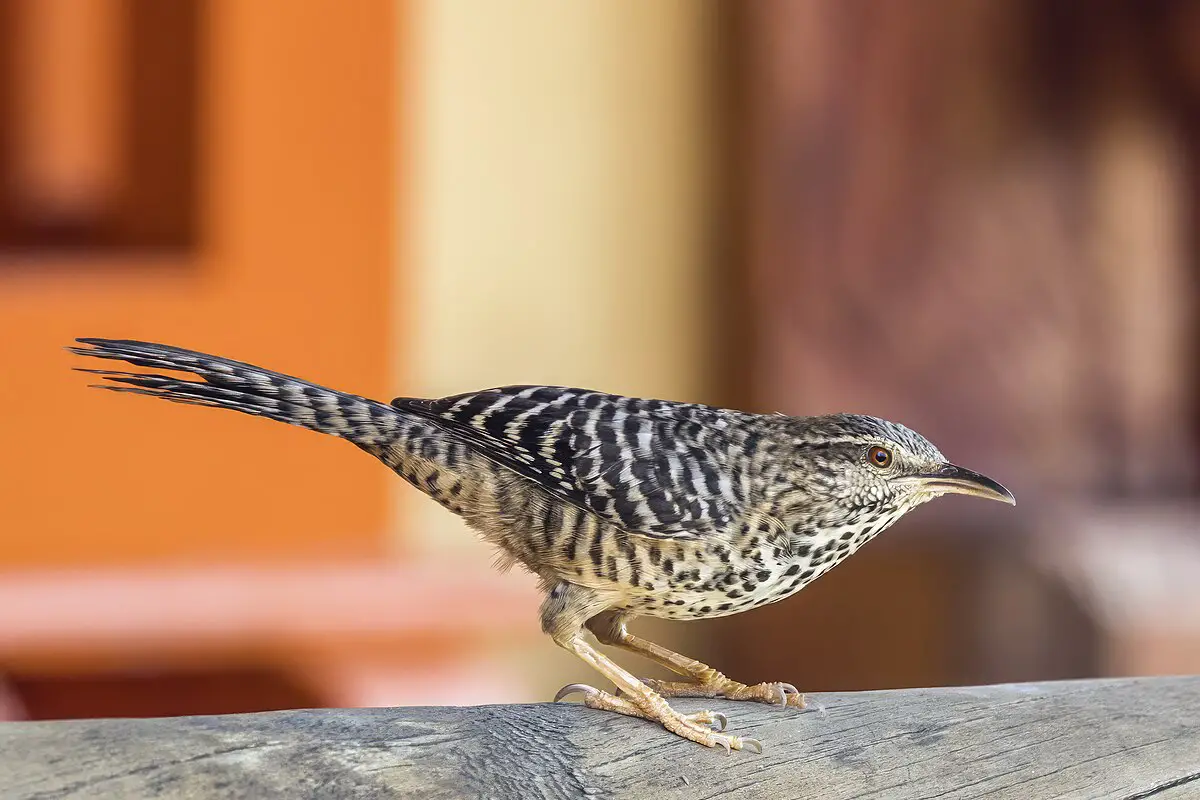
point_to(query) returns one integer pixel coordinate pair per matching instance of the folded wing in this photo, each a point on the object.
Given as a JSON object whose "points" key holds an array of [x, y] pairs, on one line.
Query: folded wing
{"points": [[654, 467]]}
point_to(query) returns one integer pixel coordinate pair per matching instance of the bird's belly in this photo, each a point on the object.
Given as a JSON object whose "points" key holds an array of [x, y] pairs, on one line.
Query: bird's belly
{"points": [[763, 577], [717, 590]]}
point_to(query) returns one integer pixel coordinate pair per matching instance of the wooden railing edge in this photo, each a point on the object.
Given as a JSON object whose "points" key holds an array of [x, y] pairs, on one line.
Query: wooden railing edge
{"points": [[1120, 738]]}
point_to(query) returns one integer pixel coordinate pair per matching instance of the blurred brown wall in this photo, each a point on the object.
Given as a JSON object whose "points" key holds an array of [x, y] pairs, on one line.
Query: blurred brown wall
{"points": [[978, 219]]}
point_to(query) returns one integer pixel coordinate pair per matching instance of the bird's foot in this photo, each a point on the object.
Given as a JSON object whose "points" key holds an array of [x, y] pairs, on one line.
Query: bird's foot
{"points": [[594, 698], [717, 685], [698, 727]]}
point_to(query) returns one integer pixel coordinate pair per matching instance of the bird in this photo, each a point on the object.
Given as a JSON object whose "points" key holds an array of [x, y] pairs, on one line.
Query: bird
{"points": [[622, 507]]}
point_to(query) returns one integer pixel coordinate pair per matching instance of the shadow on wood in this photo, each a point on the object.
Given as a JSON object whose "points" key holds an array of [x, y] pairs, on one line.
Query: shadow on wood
{"points": [[1129, 739]]}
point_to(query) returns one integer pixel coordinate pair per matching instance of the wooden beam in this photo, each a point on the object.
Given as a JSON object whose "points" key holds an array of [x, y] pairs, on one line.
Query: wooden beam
{"points": [[1127, 738]]}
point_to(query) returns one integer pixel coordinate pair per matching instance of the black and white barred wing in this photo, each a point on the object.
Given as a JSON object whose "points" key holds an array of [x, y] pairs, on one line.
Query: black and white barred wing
{"points": [[650, 466]]}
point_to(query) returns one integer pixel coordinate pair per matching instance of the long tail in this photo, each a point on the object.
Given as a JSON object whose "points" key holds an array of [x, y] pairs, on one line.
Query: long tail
{"points": [[246, 388]]}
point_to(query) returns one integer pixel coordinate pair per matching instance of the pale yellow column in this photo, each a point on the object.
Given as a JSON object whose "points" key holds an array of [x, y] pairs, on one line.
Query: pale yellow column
{"points": [[557, 205]]}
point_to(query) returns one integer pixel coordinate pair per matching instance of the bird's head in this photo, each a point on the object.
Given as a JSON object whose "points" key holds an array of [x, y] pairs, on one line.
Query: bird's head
{"points": [[864, 471]]}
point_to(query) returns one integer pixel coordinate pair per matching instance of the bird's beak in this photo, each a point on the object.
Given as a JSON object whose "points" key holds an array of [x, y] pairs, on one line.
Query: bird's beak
{"points": [[952, 479]]}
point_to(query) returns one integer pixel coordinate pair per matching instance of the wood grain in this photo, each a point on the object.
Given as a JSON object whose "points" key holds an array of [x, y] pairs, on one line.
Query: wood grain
{"points": [[1129, 739]]}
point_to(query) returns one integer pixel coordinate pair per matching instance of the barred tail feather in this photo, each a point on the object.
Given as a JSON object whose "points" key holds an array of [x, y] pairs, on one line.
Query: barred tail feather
{"points": [[238, 386]]}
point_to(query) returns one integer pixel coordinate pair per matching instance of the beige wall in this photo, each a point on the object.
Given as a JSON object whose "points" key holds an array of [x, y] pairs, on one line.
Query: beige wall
{"points": [[556, 208]]}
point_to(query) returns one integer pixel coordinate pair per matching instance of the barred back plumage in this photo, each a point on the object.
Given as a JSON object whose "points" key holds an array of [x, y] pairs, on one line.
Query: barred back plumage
{"points": [[650, 466], [622, 506]]}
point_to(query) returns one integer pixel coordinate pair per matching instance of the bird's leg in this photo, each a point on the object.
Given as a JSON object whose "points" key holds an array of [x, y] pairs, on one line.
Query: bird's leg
{"points": [[594, 698], [637, 699], [704, 681], [641, 701]]}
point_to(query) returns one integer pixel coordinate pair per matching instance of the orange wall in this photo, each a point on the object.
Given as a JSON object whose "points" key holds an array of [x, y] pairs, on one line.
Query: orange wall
{"points": [[293, 271]]}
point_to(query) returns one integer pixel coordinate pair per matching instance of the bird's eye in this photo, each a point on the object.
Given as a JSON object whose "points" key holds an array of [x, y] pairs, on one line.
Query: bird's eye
{"points": [[880, 457]]}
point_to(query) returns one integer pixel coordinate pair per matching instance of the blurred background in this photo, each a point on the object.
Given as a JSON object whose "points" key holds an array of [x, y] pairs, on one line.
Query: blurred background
{"points": [[977, 218]]}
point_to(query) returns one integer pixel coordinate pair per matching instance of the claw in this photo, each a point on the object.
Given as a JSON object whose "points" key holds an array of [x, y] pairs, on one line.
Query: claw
{"points": [[725, 744], [720, 718], [786, 689], [572, 688], [753, 745]]}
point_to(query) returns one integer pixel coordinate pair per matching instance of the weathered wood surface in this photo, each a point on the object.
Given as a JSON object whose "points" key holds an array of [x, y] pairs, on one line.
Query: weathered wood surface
{"points": [[1087, 739]]}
